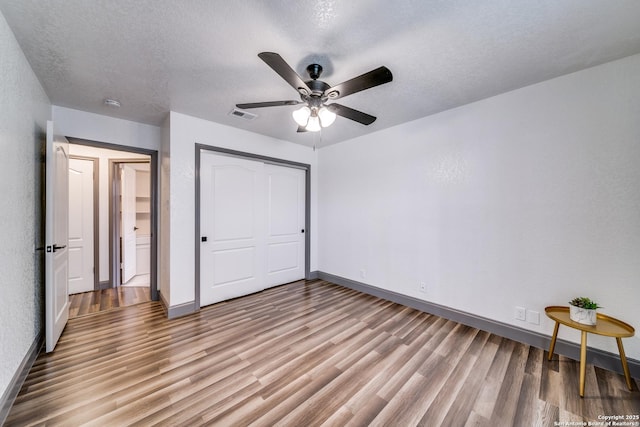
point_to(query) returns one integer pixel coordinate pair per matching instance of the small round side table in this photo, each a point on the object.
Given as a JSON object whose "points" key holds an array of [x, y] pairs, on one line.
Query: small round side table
{"points": [[605, 325]]}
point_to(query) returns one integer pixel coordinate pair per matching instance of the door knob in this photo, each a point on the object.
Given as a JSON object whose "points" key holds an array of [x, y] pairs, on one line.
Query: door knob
{"points": [[56, 247], [135, 228]]}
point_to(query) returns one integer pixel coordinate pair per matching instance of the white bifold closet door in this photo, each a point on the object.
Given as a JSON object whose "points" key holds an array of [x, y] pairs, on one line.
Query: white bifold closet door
{"points": [[251, 226]]}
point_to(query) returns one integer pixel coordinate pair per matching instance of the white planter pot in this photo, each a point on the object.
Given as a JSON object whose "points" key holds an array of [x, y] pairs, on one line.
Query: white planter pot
{"points": [[582, 315]]}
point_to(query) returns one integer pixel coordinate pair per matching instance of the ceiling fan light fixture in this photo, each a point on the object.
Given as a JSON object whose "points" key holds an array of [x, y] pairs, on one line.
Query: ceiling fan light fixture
{"points": [[314, 124], [327, 117], [301, 115]]}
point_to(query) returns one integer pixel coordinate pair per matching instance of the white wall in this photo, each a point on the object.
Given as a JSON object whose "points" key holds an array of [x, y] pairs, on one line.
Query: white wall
{"points": [[103, 155], [95, 127], [185, 131], [24, 111], [525, 199]]}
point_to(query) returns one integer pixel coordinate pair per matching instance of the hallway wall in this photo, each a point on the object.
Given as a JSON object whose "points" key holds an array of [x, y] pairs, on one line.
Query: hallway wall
{"points": [[25, 109]]}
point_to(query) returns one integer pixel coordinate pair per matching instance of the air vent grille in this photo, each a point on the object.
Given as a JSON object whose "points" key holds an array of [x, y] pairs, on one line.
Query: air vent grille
{"points": [[242, 114]]}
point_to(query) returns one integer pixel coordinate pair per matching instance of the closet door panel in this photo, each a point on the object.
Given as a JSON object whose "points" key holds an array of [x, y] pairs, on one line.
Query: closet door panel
{"points": [[285, 224], [232, 232]]}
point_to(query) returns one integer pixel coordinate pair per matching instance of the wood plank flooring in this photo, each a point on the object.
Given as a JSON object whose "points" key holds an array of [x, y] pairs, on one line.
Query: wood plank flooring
{"points": [[107, 299], [304, 354]]}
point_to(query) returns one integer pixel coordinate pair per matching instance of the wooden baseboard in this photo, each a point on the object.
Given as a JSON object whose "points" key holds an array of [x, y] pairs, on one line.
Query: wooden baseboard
{"points": [[8, 397], [597, 357]]}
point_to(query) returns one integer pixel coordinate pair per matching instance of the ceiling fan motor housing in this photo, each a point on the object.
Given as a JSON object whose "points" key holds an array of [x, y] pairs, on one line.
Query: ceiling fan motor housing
{"points": [[317, 87]]}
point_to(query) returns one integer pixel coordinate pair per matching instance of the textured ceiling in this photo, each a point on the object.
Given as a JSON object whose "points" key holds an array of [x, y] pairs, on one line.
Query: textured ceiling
{"points": [[199, 57]]}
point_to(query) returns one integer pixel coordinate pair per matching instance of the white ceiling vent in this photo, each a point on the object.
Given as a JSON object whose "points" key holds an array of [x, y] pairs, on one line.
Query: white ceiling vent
{"points": [[242, 114]]}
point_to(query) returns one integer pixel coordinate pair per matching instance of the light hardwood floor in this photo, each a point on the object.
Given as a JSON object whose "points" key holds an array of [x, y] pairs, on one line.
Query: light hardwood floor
{"points": [[304, 354]]}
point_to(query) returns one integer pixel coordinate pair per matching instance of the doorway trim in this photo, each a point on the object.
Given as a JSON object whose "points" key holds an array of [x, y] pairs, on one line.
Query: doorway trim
{"points": [[96, 215], [153, 167], [266, 159], [115, 251]]}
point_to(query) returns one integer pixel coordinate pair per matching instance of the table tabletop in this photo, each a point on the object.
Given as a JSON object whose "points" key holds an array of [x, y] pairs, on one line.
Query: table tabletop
{"points": [[605, 325]]}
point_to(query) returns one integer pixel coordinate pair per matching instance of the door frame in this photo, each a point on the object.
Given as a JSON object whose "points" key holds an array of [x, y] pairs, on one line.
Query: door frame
{"points": [[154, 224], [269, 160], [115, 251], [96, 214]]}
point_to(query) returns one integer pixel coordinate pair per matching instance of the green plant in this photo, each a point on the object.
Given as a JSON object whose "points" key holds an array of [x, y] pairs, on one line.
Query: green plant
{"points": [[584, 302]]}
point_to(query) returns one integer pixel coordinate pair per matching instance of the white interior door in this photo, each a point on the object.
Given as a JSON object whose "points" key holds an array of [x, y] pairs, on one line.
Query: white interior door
{"points": [[81, 247], [128, 225], [232, 227], [56, 235], [285, 224]]}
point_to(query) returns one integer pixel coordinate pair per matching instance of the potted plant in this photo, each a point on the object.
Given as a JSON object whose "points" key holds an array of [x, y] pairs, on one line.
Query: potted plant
{"points": [[583, 310]]}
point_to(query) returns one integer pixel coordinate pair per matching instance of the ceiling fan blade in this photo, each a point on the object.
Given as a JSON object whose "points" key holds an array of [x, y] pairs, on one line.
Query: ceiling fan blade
{"points": [[368, 80], [283, 69], [267, 104], [352, 114], [301, 129]]}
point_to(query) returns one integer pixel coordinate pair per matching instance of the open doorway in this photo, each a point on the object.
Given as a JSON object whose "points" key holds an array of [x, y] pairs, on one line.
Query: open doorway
{"points": [[123, 226], [130, 221]]}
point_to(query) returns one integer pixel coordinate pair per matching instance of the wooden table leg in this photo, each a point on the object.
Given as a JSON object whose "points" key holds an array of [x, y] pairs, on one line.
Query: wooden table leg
{"points": [[583, 361], [553, 341], [623, 359]]}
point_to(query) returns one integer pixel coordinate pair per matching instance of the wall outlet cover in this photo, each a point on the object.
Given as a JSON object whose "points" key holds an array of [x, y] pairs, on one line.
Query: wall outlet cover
{"points": [[533, 317], [521, 313]]}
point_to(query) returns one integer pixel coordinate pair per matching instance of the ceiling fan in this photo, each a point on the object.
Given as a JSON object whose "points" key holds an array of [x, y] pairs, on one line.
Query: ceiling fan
{"points": [[314, 94]]}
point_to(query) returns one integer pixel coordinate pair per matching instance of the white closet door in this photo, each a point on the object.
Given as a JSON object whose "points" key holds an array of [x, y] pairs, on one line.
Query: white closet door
{"points": [[232, 227], [285, 224]]}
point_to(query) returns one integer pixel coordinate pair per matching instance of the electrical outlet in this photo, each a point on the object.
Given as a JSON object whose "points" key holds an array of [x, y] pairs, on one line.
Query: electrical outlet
{"points": [[533, 317], [423, 287], [363, 274], [521, 313]]}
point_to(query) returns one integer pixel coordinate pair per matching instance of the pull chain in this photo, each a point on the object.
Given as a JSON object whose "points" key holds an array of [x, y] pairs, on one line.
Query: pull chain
{"points": [[315, 139]]}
